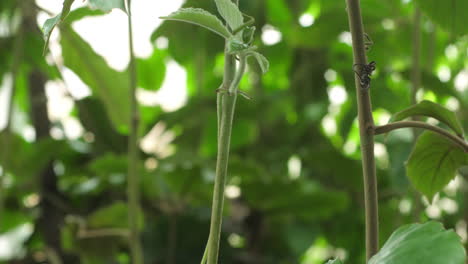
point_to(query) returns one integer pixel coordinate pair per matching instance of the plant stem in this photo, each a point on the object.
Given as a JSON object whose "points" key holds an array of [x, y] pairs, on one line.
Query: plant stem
{"points": [[17, 57], [172, 239], [205, 253], [226, 107], [415, 84], [16, 61], [239, 74], [431, 46], [366, 123], [416, 55], [133, 181], [417, 124]]}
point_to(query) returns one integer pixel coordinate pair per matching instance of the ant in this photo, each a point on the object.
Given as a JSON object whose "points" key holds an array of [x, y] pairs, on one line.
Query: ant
{"points": [[365, 73]]}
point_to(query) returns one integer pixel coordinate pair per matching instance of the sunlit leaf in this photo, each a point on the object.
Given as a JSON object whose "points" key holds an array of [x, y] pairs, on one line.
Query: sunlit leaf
{"points": [[109, 85], [151, 71], [51, 23], [82, 12], [201, 18], [107, 5], [262, 61], [434, 163], [427, 243], [230, 12], [430, 109]]}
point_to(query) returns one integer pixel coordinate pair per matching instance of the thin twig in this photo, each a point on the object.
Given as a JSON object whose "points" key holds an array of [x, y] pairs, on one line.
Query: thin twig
{"points": [[133, 182], [417, 124], [416, 54], [415, 84]]}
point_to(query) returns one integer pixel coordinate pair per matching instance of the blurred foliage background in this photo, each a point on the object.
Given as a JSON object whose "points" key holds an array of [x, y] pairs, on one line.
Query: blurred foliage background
{"points": [[294, 193]]}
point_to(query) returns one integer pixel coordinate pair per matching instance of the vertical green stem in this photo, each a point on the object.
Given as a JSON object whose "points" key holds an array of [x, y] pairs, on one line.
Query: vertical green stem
{"points": [[366, 124], [416, 55], [227, 104], [172, 239], [17, 56], [238, 76], [133, 181], [415, 84], [432, 43]]}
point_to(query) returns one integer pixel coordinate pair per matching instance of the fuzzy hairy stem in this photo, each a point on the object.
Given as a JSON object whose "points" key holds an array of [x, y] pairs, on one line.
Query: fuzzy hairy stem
{"points": [[366, 123], [239, 73], [226, 102], [417, 124], [133, 181]]}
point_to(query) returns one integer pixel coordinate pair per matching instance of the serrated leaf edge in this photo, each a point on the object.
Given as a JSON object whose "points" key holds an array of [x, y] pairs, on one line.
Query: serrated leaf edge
{"points": [[225, 34]]}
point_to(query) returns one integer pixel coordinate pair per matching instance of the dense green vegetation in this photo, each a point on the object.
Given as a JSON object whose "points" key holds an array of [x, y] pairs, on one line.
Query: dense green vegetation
{"points": [[294, 185]]}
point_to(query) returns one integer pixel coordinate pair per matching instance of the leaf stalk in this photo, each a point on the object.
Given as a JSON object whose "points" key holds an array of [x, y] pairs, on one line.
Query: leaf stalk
{"points": [[226, 103], [418, 124]]}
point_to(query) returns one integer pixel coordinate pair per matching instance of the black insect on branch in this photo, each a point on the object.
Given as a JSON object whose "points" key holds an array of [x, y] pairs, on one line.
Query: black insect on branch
{"points": [[364, 71]]}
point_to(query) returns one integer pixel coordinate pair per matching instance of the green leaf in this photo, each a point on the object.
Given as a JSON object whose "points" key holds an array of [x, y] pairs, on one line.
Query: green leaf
{"points": [[427, 243], [47, 28], [434, 163], [93, 117], [51, 23], [15, 152], [112, 216], [201, 18], [107, 5], [82, 12], [110, 86], [66, 9], [230, 12], [262, 61], [450, 15], [151, 71], [108, 164], [430, 109]]}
